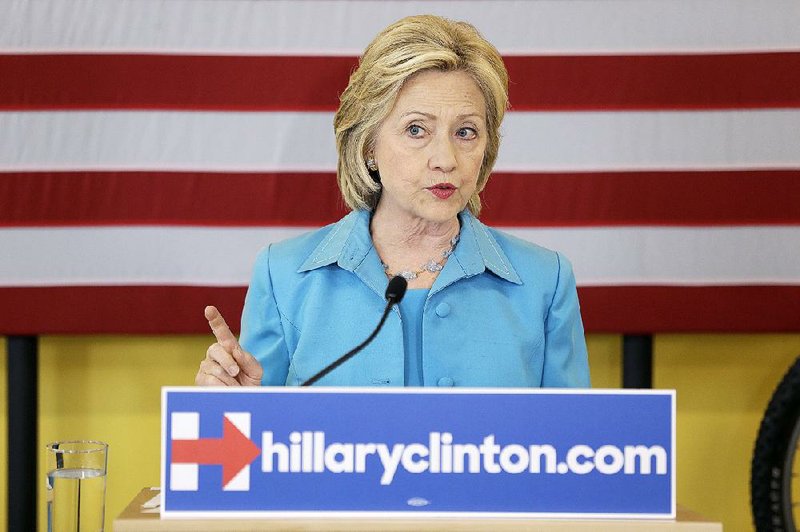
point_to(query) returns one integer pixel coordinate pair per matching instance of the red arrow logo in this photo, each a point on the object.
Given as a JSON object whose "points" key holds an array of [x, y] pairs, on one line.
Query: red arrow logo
{"points": [[234, 451]]}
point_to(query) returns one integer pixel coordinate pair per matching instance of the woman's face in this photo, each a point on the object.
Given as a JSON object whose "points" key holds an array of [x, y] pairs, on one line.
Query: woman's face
{"points": [[430, 148]]}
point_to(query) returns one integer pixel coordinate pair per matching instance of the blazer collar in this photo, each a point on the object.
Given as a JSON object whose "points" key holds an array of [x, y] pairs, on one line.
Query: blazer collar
{"points": [[346, 244], [349, 243], [478, 251]]}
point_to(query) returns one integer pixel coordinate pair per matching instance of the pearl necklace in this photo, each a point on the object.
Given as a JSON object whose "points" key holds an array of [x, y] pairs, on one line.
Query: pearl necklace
{"points": [[432, 265]]}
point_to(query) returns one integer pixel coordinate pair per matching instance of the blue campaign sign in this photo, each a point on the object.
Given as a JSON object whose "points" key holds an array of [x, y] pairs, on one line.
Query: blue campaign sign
{"points": [[402, 452]]}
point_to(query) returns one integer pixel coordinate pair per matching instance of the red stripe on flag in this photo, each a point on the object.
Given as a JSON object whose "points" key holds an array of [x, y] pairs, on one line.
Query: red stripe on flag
{"points": [[313, 83], [654, 309], [179, 309], [113, 309], [67, 81], [625, 82], [747, 197], [169, 198]]}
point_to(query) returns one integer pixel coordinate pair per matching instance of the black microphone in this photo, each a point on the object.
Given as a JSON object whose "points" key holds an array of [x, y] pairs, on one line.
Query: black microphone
{"points": [[395, 291]]}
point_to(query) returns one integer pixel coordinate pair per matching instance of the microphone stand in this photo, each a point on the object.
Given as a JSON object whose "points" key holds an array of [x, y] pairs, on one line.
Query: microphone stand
{"points": [[394, 293]]}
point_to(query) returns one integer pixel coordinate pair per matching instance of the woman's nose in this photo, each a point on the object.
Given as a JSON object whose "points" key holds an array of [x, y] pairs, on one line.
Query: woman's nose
{"points": [[443, 154]]}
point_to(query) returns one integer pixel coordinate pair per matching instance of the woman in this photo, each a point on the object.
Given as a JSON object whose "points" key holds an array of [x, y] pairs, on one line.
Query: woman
{"points": [[417, 133]]}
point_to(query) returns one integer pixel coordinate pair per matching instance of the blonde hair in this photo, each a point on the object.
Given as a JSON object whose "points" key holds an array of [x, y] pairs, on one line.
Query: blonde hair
{"points": [[411, 45]]}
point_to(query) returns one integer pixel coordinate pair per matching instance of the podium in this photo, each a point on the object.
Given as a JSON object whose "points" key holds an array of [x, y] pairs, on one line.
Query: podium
{"points": [[135, 519], [272, 453]]}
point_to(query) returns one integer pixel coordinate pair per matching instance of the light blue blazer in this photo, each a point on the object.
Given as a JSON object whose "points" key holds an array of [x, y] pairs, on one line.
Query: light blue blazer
{"points": [[502, 312]]}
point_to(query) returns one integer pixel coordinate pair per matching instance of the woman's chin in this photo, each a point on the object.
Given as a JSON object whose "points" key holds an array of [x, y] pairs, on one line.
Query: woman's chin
{"points": [[431, 210], [441, 213]]}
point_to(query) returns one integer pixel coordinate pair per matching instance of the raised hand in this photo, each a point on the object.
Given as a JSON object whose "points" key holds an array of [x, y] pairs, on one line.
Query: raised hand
{"points": [[226, 363]]}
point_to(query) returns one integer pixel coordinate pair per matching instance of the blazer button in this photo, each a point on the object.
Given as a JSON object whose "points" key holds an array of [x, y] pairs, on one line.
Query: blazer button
{"points": [[445, 382], [442, 310]]}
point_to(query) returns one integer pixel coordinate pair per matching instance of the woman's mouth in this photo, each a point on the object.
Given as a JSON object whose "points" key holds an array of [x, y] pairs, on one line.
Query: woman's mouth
{"points": [[442, 190]]}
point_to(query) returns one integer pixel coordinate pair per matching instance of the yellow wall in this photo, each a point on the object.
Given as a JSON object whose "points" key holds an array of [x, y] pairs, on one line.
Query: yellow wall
{"points": [[723, 386], [107, 387]]}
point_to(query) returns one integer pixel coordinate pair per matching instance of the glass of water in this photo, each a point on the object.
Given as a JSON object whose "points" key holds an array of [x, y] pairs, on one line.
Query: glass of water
{"points": [[76, 485]]}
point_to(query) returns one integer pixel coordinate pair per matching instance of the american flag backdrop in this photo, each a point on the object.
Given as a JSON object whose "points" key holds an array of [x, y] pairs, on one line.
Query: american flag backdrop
{"points": [[150, 148]]}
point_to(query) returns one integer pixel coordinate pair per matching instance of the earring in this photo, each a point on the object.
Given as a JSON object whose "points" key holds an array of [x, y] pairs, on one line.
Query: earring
{"points": [[371, 165]]}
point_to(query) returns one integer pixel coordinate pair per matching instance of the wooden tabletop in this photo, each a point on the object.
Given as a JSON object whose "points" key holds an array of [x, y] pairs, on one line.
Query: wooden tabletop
{"points": [[133, 519]]}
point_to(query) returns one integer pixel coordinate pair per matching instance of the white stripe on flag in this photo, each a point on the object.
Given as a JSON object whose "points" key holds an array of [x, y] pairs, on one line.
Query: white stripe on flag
{"points": [[281, 141], [133, 255], [341, 27], [224, 256], [611, 256]]}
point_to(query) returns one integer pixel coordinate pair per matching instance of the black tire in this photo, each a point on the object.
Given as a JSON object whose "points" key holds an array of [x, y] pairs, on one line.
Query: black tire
{"points": [[771, 473]]}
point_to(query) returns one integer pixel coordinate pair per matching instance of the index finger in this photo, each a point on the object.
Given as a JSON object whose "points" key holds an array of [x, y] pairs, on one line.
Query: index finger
{"points": [[220, 329]]}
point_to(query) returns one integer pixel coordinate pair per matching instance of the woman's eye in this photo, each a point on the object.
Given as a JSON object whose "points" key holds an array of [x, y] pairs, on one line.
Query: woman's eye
{"points": [[414, 130], [467, 133]]}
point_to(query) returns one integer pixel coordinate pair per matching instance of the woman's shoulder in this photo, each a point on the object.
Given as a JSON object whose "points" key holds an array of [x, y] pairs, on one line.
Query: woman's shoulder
{"points": [[530, 260], [542, 271], [518, 249], [312, 249], [290, 254], [515, 244]]}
